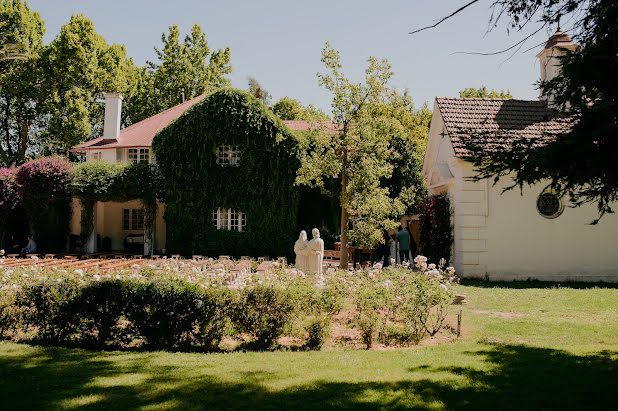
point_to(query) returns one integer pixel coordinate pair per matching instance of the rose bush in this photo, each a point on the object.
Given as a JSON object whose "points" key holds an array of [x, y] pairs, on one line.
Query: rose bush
{"points": [[187, 304]]}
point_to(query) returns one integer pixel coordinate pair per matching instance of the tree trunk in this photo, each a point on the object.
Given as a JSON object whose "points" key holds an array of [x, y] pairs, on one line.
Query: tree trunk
{"points": [[344, 222]]}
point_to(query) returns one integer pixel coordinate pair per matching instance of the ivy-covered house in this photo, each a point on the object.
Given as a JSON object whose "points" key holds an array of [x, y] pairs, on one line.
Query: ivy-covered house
{"points": [[228, 166]]}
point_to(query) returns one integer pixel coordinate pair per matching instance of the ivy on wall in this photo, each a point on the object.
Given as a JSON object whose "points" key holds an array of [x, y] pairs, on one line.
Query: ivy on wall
{"points": [[262, 186], [105, 181]]}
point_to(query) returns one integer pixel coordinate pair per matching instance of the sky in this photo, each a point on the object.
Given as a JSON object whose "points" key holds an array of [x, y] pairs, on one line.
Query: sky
{"points": [[279, 42]]}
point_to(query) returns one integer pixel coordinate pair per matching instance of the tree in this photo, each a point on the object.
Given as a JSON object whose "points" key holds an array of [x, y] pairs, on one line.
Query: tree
{"points": [[483, 93], [359, 155], [21, 87], [579, 163], [79, 66], [186, 67], [259, 92], [288, 108]]}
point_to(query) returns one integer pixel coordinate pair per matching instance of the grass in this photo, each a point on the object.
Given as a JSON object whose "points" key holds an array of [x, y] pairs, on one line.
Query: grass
{"points": [[526, 346]]}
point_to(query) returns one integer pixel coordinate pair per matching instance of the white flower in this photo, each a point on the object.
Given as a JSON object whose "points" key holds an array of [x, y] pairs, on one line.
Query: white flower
{"points": [[442, 262], [59, 280], [96, 277], [377, 266], [450, 270], [80, 272], [117, 276], [431, 266], [444, 287]]}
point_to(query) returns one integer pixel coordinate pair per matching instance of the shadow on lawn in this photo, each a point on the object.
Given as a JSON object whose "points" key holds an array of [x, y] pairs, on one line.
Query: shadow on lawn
{"points": [[476, 282], [520, 377]]}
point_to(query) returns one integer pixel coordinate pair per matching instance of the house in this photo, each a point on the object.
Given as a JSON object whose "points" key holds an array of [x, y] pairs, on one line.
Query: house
{"points": [[514, 235], [230, 164]]}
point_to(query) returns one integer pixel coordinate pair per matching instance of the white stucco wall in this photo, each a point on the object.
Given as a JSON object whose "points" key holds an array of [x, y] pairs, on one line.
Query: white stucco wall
{"points": [[503, 236]]}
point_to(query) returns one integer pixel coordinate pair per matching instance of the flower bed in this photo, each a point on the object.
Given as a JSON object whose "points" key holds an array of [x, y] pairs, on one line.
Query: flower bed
{"points": [[222, 304]]}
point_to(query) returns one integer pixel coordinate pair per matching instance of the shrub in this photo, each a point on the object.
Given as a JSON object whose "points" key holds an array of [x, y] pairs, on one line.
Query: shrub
{"points": [[44, 187], [177, 315], [317, 330], [95, 311], [263, 311]]}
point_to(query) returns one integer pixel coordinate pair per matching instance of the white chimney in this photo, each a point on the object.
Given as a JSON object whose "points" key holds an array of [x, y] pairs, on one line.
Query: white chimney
{"points": [[113, 109], [549, 59]]}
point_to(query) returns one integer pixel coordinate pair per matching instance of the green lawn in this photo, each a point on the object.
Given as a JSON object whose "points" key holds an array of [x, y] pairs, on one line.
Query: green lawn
{"points": [[523, 348]]}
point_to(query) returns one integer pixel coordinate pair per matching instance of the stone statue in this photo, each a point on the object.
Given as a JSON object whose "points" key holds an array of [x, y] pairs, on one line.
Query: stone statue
{"points": [[316, 252], [301, 248]]}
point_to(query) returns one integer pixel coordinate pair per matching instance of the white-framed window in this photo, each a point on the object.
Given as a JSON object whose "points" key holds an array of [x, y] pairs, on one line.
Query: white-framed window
{"points": [[132, 219], [139, 155], [228, 156], [96, 155], [228, 219]]}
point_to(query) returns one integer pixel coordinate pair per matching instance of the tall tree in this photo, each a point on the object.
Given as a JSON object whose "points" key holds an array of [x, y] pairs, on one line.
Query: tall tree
{"points": [[482, 92], [259, 92], [21, 81], [578, 163], [187, 67], [359, 155], [288, 108], [79, 66]]}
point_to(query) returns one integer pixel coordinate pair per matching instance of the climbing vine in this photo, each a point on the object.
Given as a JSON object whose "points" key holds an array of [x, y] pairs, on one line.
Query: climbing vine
{"points": [[106, 181], [261, 186]]}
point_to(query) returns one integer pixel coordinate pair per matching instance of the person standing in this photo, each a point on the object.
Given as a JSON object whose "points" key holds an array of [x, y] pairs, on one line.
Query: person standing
{"points": [[386, 249], [413, 246], [403, 241]]}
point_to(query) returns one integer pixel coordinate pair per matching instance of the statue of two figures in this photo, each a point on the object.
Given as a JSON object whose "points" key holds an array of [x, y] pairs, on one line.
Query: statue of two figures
{"points": [[309, 254]]}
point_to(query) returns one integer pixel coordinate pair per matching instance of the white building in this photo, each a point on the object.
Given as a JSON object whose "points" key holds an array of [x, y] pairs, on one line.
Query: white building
{"points": [[515, 235]]}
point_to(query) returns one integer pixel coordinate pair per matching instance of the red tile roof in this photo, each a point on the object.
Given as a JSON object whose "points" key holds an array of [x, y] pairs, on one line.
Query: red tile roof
{"points": [[496, 123], [140, 134]]}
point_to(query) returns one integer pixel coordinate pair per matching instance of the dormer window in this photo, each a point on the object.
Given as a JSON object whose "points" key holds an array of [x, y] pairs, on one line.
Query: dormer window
{"points": [[228, 156], [141, 155], [228, 219]]}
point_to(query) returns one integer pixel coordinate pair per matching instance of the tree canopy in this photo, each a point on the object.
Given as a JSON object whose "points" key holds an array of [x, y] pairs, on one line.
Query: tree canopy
{"points": [[51, 94], [257, 91], [482, 92], [288, 108], [187, 67], [362, 153]]}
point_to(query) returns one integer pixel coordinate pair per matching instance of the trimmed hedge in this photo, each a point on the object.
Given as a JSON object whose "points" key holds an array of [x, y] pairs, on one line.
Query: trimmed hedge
{"points": [[262, 186], [163, 314]]}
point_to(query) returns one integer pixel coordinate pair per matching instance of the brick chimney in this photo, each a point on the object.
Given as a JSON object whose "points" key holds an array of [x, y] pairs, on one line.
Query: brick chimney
{"points": [[549, 59], [113, 109]]}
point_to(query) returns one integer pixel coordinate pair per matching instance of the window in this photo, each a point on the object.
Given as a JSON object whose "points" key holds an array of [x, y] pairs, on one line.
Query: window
{"points": [[227, 219], [228, 156], [549, 205], [141, 155], [132, 219], [96, 156]]}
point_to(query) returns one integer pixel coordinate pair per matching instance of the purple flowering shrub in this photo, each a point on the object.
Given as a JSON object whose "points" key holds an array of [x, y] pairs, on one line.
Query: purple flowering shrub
{"points": [[45, 189]]}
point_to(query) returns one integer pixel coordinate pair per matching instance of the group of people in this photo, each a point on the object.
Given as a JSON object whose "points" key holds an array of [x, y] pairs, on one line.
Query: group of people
{"points": [[397, 247]]}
